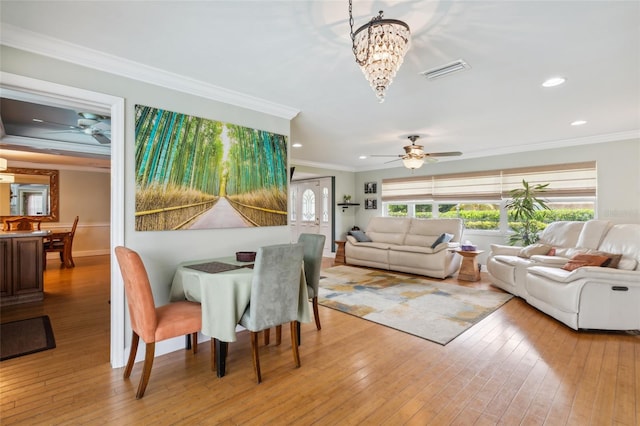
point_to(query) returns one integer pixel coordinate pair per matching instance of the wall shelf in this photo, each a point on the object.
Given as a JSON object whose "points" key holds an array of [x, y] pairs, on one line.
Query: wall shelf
{"points": [[347, 205]]}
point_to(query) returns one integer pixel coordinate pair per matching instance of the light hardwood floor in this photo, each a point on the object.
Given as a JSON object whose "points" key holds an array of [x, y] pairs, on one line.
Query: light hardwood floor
{"points": [[517, 366]]}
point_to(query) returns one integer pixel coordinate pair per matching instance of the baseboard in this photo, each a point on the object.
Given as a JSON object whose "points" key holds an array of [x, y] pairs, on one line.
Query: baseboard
{"points": [[84, 253]]}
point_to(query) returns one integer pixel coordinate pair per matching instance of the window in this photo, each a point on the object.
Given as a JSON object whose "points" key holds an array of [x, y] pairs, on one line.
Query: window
{"points": [[397, 210], [478, 215], [479, 198], [423, 211], [308, 205], [325, 205], [294, 192]]}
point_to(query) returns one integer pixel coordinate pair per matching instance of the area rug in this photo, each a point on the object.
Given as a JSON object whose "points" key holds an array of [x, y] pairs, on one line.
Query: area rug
{"points": [[429, 309], [25, 337]]}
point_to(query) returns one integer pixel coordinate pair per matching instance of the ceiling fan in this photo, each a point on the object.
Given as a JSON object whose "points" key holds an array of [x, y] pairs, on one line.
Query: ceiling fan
{"points": [[414, 156], [94, 125]]}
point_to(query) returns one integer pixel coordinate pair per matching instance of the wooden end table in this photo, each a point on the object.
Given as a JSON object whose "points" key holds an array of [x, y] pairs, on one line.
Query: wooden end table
{"points": [[469, 270], [340, 257]]}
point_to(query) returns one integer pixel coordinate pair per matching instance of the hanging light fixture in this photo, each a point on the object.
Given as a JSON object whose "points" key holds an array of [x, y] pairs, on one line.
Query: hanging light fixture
{"points": [[379, 47], [411, 162], [3, 164]]}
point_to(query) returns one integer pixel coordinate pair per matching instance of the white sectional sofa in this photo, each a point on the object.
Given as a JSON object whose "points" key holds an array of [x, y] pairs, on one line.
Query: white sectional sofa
{"points": [[588, 297], [405, 245]]}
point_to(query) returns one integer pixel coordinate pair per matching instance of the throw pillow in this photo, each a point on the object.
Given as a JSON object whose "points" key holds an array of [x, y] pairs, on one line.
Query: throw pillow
{"points": [[360, 236], [614, 259], [532, 249], [444, 238], [627, 263], [580, 260]]}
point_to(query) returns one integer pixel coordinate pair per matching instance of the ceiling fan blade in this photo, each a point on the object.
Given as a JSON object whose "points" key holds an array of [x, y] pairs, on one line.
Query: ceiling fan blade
{"points": [[443, 154], [101, 138], [397, 159], [375, 155]]}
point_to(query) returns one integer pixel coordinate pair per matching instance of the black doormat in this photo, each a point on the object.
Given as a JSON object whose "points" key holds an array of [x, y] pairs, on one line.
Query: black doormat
{"points": [[25, 337]]}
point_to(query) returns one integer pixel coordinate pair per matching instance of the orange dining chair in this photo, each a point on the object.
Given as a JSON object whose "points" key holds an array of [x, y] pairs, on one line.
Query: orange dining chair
{"points": [[62, 243], [152, 324], [21, 224]]}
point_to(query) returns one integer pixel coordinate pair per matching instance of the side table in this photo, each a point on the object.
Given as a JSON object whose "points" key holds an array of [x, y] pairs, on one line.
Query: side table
{"points": [[469, 270], [340, 257]]}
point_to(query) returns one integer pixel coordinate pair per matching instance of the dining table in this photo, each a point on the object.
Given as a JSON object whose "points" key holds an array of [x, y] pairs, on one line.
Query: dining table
{"points": [[223, 288]]}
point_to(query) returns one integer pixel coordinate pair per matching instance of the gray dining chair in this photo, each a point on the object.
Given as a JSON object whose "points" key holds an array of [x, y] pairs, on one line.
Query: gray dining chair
{"points": [[275, 291], [313, 247]]}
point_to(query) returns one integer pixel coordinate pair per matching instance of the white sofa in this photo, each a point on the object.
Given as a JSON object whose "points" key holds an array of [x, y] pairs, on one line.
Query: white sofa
{"points": [[405, 245], [590, 297]]}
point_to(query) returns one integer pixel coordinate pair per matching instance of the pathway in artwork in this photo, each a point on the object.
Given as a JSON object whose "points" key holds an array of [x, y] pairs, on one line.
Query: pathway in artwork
{"points": [[221, 215]]}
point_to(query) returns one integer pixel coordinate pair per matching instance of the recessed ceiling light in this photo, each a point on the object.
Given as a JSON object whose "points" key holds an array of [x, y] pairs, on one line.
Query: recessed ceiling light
{"points": [[362, 157], [554, 81], [37, 120], [297, 145], [579, 122]]}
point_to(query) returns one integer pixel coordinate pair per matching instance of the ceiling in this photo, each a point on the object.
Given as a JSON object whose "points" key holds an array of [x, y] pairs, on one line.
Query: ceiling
{"points": [[298, 54]]}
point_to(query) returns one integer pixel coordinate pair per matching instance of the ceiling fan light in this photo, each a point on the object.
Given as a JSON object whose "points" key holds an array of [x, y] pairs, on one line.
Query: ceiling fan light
{"points": [[412, 162]]}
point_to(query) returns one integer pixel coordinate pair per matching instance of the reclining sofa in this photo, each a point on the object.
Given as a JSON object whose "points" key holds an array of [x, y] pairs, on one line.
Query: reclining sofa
{"points": [[564, 274], [416, 246]]}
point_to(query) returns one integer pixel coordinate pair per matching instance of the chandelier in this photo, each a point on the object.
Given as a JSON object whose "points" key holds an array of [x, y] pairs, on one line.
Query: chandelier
{"points": [[379, 47]]}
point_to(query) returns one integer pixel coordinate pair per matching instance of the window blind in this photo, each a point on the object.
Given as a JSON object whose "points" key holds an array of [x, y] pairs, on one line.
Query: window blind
{"points": [[566, 180], [402, 189]]}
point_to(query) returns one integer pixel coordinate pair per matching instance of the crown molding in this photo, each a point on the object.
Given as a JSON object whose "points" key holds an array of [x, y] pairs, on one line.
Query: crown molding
{"points": [[520, 149], [298, 162], [33, 42]]}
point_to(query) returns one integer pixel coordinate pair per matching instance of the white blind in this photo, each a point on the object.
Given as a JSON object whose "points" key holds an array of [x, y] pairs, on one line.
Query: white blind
{"points": [[419, 188], [476, 186], [569, 180], [577, 179]]}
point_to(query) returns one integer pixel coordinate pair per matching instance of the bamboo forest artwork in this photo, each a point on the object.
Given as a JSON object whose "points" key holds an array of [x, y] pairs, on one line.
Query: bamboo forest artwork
{"points": [[196, 173]]}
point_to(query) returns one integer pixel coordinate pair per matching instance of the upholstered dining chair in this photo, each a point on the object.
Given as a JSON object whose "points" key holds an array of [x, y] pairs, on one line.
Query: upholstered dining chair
{"points": [[152, 324], [62, 243], [21, 224], [275, 291], [313, 247]]}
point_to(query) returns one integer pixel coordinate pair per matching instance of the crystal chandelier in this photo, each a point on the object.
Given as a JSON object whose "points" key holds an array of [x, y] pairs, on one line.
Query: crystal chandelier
{"points": [[379, 47]]}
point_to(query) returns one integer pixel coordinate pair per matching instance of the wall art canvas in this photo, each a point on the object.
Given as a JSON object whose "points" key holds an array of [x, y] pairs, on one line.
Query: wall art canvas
{"points": [[197, 173], [370, 187], [370, 204]]}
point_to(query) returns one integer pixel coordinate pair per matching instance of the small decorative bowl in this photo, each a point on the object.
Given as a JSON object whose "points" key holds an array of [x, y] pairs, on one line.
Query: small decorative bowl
{"points": [[466, 247], [246, 256]]}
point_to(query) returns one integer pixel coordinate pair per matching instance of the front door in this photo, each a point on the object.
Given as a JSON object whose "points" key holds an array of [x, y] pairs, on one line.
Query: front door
{"points": [[311, 209]]}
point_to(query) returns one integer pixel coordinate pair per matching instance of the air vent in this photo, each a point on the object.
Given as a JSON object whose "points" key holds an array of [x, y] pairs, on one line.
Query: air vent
{"points": [[447, 69]]}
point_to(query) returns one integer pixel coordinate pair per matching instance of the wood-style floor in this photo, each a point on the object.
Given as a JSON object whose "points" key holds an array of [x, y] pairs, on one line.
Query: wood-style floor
{"points": [[517, 366]]}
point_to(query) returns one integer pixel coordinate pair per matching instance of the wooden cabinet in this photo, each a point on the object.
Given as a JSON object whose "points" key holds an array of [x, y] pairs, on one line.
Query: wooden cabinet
{"points": [[21, 272]]}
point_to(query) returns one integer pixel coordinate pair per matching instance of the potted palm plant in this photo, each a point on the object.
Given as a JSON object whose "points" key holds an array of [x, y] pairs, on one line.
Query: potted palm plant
{"points": [[524, 203]]}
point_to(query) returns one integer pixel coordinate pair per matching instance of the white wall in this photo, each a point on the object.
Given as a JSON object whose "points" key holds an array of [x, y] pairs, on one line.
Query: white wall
{"points": [[161, 251], [618, 169]]}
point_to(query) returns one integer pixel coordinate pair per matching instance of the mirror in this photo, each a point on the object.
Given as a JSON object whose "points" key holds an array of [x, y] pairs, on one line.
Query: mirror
{"points": [[33, 193]]}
